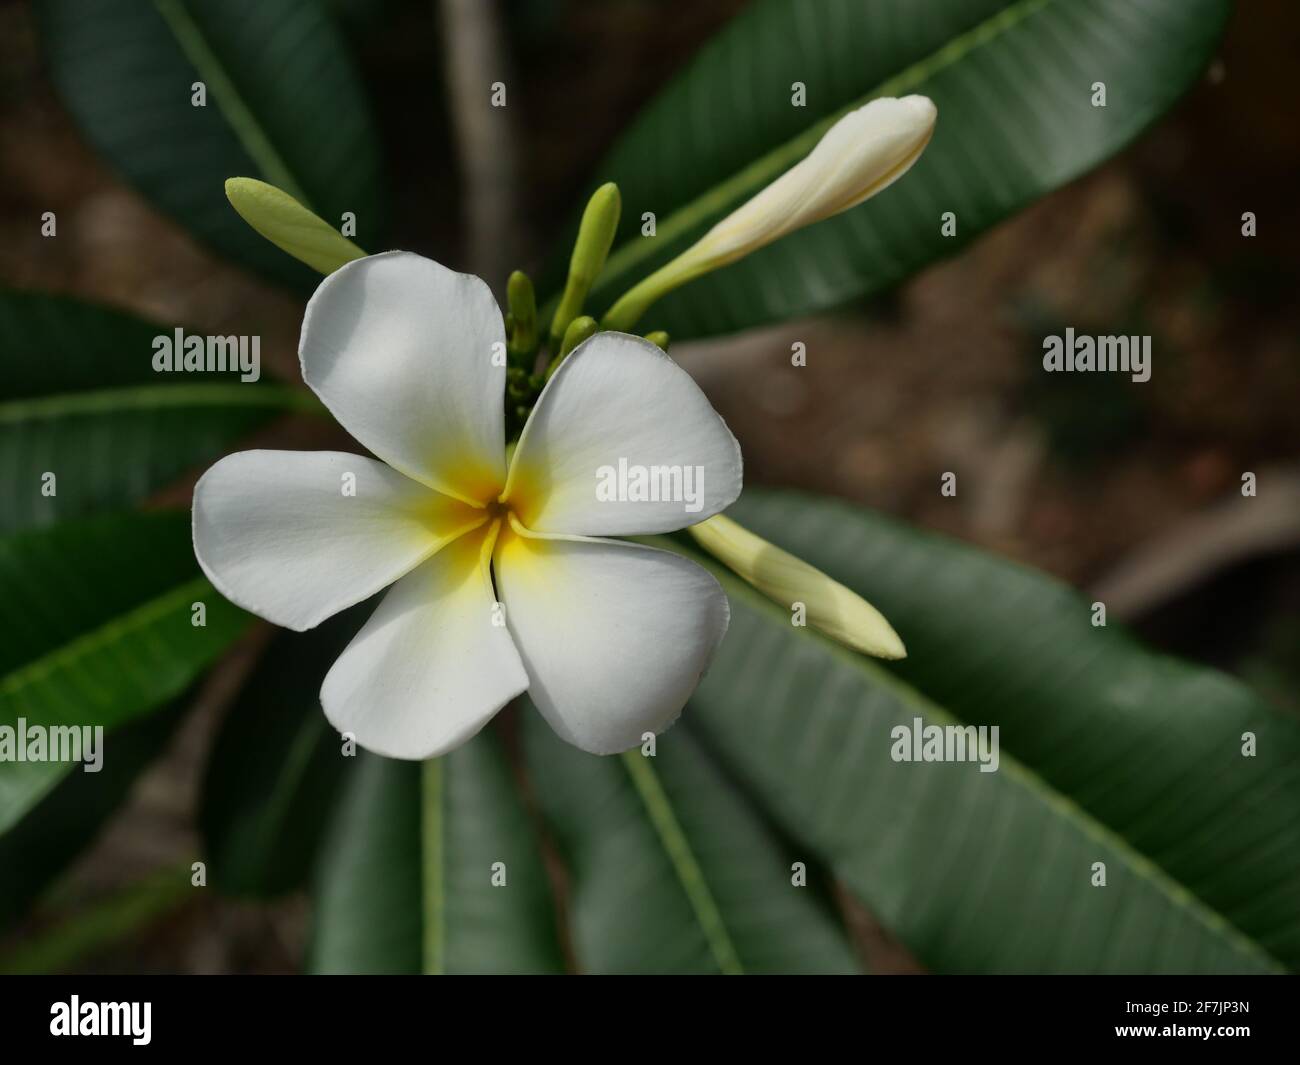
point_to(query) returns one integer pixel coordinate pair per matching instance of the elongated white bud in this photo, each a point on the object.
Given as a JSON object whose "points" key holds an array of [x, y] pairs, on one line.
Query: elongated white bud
{"points": [[861, 154], [830, 607]]}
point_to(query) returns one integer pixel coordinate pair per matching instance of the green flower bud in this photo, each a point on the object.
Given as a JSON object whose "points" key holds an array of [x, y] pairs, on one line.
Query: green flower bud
{"points": [[595, 236], [290, 226]]}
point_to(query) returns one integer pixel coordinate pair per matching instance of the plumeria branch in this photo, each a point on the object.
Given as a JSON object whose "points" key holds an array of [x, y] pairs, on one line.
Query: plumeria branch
{"points": [[859, 156], [473, 41]]}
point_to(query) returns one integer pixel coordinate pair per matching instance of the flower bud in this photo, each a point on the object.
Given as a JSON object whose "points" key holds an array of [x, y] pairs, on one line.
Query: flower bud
{"points": [[581, 328], [841, 614], [289, 225], [659, 339], [590, 249], [522, 318], [861, 154]]}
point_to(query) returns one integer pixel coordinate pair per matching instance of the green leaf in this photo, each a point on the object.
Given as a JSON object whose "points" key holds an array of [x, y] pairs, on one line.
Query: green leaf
{"points": [[1012, 80], [713, 885], [83, 402], [405, 880], [1108, 753], [36, 851], [114, 919], [97, 617], [275, 768], [283, 104]]}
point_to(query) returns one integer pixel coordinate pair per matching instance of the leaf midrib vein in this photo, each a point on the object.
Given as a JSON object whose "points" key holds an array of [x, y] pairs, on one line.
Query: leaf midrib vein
{"points": [[1061, 804], [249, 132], [682, 858], [104, 637], [157, 397]]}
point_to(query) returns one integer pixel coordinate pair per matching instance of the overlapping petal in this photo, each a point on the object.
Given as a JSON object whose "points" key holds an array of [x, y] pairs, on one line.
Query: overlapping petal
{"points": [[433, 664], [615, 636], [619, 403], [409, 357], [278, 532]]}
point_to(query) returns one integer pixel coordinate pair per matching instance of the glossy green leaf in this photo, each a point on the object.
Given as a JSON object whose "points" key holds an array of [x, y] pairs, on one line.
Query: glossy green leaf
{"points": [[1108, 753], [83, 402], [405, 879], [276, 766], [1013, 81], [673, 870], [283, 103], [97, 617]]}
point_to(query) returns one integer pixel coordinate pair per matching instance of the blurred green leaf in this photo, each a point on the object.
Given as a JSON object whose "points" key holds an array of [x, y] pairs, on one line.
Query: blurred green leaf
{"points": [[56, 830], [276, 767], [1109, 753], [405, 881], [97, 622], [83, 402], [713, 886], [284, 104], [93, 928], [1013, 83]]}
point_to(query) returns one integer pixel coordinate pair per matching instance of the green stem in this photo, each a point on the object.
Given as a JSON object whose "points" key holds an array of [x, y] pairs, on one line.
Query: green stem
{"points": [[432, 865]]}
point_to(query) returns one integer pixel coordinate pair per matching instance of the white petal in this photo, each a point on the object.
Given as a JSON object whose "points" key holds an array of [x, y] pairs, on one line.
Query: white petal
{"points": [[433, 664], [401, 350], [275, 533], [619, 402], [615, 636]]}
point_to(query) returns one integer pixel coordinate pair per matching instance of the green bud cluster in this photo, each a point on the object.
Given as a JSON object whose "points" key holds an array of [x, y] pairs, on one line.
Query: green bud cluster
{"points": [[533, 359]]}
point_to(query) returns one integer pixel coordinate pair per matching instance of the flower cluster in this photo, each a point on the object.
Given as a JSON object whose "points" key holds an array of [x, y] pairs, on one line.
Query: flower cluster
{"points": [[500, 555]]}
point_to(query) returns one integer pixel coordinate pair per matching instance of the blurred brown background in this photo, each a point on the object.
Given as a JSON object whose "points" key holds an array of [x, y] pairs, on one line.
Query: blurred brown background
{"points": [[1130, 492]]}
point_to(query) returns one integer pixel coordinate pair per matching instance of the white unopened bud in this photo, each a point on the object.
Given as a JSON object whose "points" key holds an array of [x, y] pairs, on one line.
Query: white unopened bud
{"points": [[861, 154], [832, 608]]}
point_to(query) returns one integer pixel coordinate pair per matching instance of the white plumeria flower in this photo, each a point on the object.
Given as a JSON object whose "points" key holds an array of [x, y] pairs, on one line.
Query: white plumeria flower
{"points": [[608, 638]]}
